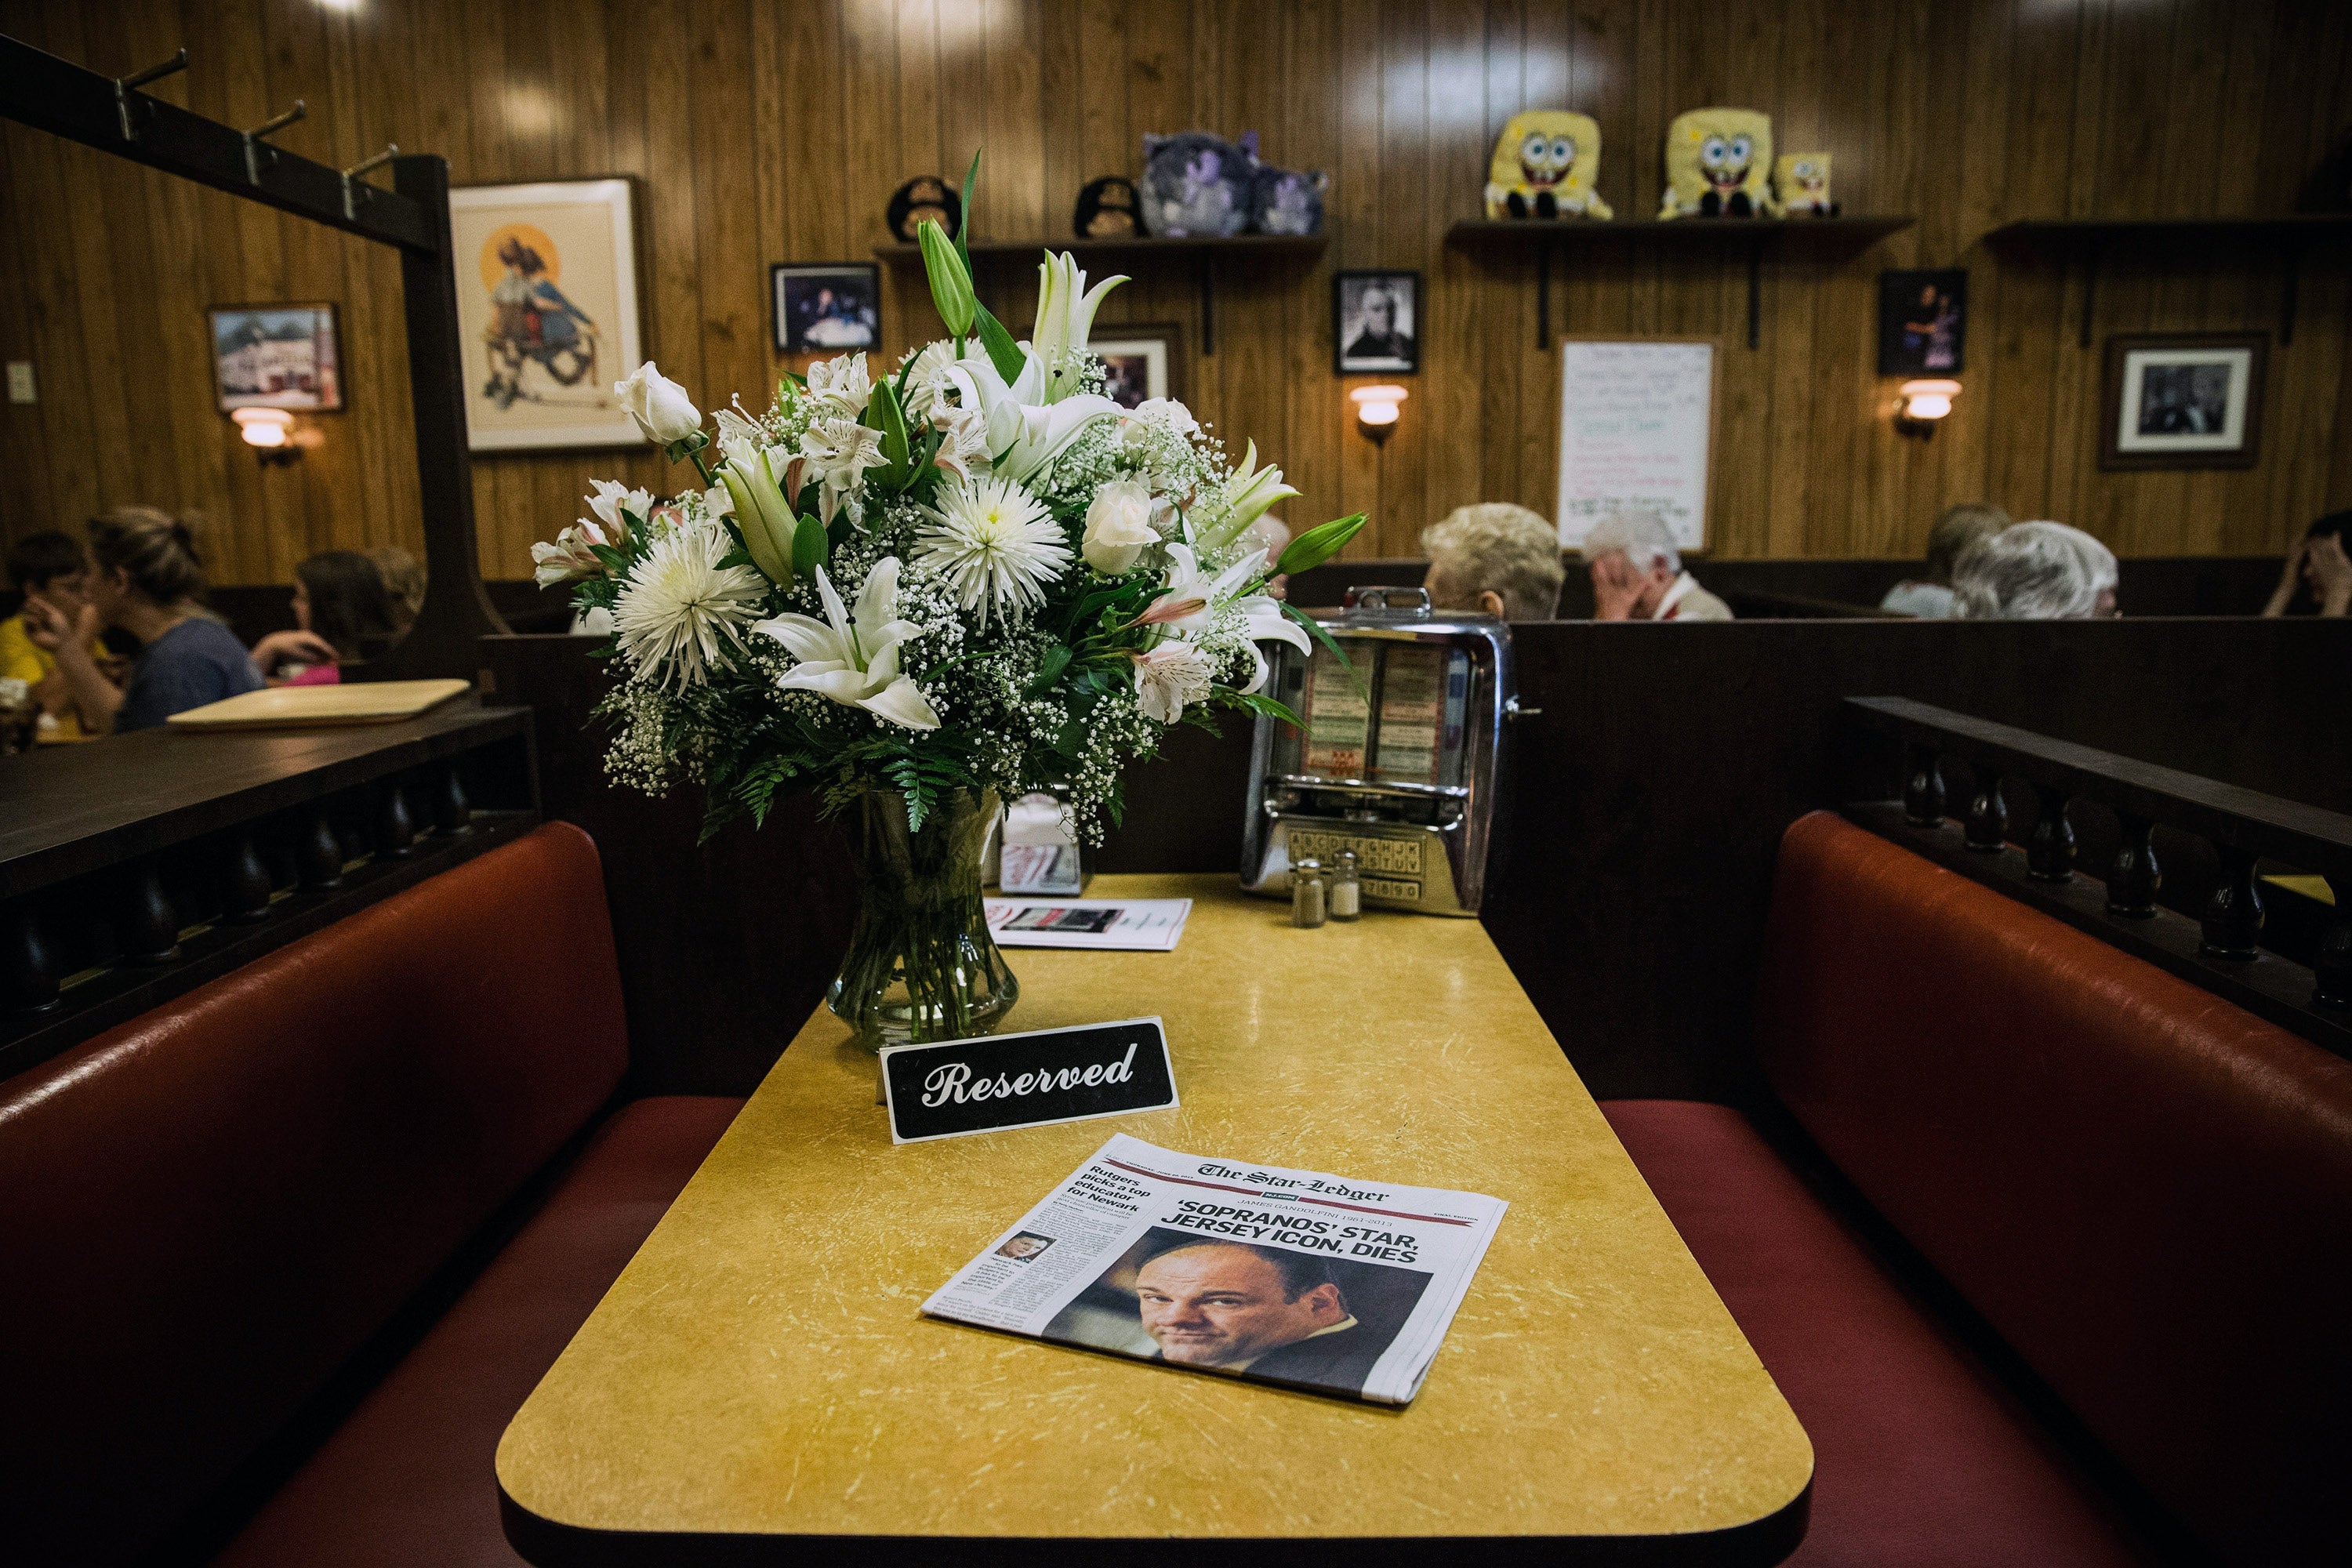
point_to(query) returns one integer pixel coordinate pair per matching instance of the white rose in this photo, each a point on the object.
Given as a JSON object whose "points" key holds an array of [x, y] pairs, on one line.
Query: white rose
{"points": [[1167, 677], [1169, 411], [658, 405], [1119, 527]]}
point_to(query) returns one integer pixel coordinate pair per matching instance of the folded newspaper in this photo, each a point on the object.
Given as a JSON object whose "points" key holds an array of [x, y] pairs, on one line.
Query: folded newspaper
{"points": [[1294, 1277]]}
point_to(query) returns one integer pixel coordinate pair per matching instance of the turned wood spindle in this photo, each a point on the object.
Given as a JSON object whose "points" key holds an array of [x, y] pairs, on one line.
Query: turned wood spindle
{"points": [[318, 852], [2233, 915], [1923, 789], [31, 968], [148, 925], [2134, 878], [453, 814], [1988, 822], [396, 830], [246, 882], [2050, 849], [2331, 967]]}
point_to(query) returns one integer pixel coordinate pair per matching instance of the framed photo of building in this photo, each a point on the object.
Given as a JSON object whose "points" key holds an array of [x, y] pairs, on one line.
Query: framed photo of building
{"points": [[547, 312], [276, 356], [1140, 362], [1376, 323], [827, 306], [2182, 400], [1923, 323]]}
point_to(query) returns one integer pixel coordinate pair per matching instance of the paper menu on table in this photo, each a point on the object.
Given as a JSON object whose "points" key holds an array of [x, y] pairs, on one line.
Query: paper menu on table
{"points": [[1132, 925]]}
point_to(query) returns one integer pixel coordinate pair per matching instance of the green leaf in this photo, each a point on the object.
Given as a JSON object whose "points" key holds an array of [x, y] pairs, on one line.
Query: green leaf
{"points": [[1057, 659], [1002, 351], [1317, 545], [738, 556], [884, 414], [1259, 703], [809, 546], [963, 221], [838, 534]]}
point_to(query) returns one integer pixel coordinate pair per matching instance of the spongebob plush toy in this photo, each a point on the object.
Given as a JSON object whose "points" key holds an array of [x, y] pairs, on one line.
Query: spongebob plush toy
{"points": [[1545, 166], [1801, 182], [1717, 160]]}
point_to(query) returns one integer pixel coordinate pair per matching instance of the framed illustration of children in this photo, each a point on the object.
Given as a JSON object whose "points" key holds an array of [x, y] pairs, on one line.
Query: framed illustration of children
{"points": [[276, 356], [547, 312], [1922, 321]]}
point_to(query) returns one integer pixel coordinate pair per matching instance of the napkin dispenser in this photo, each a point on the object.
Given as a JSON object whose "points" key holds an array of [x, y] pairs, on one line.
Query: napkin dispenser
{"points": [[1398, 759]]}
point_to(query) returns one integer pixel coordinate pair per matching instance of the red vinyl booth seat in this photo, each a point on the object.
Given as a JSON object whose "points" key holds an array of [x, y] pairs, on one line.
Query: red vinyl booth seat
{"points": [[2144, 1190], [206, 1211]]}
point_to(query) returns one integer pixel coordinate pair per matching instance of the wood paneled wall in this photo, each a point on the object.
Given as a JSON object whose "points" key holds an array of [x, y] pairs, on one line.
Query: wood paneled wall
{"points": [[774, 132]]}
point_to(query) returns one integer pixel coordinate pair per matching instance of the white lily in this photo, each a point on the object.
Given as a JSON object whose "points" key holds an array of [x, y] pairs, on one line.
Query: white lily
{"points": [[1025, 434], [739, 439], [839, 452], [855, 659], [1247, 493], [1193, 600], [1065, 313], [843, 379]]}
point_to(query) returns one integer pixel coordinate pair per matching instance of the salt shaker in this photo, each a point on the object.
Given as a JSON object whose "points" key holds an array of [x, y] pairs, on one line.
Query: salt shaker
{"points": [[1307, 893], [1346, 898]]}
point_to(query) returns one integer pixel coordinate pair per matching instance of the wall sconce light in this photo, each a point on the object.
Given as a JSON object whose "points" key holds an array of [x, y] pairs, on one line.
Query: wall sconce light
{"points": [[270, 432], [1376, 409], [1920, 404]]}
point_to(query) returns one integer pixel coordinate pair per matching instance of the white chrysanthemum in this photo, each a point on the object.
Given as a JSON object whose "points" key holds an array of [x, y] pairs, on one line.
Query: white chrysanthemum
{"points": [[680, 610], [996, 544]]}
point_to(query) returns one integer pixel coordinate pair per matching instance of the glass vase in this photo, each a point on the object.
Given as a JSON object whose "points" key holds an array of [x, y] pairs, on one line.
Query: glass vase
{"points": [[922, 964]]}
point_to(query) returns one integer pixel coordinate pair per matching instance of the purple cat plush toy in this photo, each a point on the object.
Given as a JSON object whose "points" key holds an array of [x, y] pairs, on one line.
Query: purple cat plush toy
{"points": [[1288, 200], [1196, 183]]}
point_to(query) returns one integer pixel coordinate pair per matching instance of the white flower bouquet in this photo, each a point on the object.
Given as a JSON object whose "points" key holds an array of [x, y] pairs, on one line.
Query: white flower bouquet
{"points": [[969, 577]]}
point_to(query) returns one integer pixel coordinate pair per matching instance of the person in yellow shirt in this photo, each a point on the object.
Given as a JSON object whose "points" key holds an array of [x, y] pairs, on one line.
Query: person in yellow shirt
{"points": [[52, 567]]}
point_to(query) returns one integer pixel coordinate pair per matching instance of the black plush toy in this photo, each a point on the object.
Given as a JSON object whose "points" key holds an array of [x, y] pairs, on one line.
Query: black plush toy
{"points": [[1108, 210], [1288, 200], [1196, 183], [924, 196]]}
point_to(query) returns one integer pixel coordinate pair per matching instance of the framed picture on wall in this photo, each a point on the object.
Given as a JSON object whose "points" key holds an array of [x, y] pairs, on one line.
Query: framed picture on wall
{"points": [[547, 312], [2182, 400], [826, 307], [1140, 362], [1376, 323], [276, 356], [1923, 323]]}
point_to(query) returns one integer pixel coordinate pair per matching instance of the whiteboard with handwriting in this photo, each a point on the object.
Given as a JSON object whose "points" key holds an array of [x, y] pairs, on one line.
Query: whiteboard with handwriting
{"points": [[1636, 430]]}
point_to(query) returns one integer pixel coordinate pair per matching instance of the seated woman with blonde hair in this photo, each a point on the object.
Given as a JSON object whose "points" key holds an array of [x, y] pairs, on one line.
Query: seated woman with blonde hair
{"points": [[1930, 599], [1495, 559]]}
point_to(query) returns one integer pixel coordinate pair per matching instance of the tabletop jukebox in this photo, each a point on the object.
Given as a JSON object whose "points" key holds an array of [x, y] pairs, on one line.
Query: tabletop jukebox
{"points": [[1398, 759]]}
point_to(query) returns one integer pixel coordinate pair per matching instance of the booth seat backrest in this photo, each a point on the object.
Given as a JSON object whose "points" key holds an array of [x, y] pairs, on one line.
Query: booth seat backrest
{"points": [[2147, 1191], [204, 1211]]}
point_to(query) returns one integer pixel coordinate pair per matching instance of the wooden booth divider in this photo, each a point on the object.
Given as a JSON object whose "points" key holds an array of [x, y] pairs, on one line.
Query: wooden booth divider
{"points": [[1635, 859]]}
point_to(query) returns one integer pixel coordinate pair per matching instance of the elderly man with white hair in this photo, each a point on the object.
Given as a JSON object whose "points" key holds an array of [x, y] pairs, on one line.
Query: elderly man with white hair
{"points": [[2034, 571], [1637, 573]]}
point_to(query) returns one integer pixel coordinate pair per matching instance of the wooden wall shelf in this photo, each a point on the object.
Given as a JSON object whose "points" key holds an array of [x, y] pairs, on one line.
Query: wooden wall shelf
{"points": [[2063, 238], [1813, 235], [1204, 250]]}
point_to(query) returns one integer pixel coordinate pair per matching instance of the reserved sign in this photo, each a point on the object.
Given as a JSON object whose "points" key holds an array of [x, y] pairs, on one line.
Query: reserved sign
{"points": [[984, 1085]]}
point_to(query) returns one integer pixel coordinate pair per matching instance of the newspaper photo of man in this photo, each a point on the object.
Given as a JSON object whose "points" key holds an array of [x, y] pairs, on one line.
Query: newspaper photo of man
{"points": [[1272, 1314], [1021, 1248]]}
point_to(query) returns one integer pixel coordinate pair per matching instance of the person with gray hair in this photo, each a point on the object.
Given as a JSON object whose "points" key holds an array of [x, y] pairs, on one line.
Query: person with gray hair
{"points": [[1929, 598], [2034, 571], [1637, 573], [1495, 558]]}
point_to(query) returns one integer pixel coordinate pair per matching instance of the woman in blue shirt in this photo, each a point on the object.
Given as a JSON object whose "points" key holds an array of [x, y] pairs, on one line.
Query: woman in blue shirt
{"points": [[149, 582]]}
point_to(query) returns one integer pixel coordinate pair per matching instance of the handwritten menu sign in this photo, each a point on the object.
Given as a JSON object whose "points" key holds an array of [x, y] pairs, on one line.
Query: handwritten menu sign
{"points": [[1636, 422]]}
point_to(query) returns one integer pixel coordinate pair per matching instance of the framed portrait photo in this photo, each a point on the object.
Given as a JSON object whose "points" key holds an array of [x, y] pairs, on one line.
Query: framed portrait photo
{"points": [[1140, 362], [276, 356], [1923, 323], [2182, 400], [826, 307], [1376, 323], [546, 312]]}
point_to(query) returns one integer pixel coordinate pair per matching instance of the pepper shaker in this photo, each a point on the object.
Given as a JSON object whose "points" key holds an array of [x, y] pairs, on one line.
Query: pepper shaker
{"points": [[1307, 906], [1346, 899]]}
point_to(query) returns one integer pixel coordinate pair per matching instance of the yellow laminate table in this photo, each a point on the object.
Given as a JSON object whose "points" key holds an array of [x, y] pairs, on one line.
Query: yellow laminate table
{"points": [[759, 1376]]}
